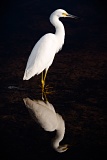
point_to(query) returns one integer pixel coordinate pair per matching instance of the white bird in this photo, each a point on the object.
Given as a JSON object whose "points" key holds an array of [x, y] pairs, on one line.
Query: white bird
{"points": [[45, 115], [45, 49]]}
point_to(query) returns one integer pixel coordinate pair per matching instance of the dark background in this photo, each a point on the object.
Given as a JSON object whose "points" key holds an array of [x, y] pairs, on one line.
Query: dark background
{"points": [[78, 76], [26, 21]]}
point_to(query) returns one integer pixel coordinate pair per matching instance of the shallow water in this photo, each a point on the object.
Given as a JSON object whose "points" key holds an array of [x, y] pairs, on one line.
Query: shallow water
{"points": [[77, 80]]}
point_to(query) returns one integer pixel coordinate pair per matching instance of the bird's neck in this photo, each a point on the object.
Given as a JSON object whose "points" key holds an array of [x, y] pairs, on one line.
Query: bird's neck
{"points": [[60, 31], [60, 131]]}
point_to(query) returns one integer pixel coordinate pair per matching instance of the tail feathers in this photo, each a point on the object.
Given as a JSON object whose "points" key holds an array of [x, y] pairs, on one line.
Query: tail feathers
{"points": [[25, 77], [32, 72], [28, 75]]}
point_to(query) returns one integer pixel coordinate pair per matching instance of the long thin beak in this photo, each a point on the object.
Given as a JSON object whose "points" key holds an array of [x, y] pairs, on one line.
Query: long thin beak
{"points": [[72, 16]]}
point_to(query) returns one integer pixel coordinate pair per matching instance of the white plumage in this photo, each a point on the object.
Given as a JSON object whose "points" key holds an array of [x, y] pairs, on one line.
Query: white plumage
{"points": [[45, 49], [45, 115], [41, 57]]}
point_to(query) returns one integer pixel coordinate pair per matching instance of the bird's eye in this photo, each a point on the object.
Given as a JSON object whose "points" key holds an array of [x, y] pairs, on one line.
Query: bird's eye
{"points": [[64, 14]]}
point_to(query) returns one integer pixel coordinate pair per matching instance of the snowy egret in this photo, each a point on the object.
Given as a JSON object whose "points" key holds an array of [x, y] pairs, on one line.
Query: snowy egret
{"points": [[45, 49], [44, 113]]}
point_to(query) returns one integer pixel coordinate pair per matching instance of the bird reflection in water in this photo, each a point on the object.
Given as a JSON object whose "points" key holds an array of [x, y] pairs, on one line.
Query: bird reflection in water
{"points": [[44, 113]]}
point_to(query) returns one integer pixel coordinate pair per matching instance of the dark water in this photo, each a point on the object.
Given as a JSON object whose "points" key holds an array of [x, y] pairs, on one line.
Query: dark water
{"points": [[77, 78]]}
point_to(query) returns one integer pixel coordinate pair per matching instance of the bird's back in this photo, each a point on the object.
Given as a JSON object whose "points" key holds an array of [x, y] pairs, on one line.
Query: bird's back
{"points": [[41, 56]]}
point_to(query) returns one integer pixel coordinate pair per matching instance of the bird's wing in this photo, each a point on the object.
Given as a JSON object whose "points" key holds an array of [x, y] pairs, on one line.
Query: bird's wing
{"points": [[42, 55]]}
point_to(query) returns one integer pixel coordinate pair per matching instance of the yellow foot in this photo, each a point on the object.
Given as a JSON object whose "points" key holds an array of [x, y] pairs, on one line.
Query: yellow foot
{"points": [[47, 90]]}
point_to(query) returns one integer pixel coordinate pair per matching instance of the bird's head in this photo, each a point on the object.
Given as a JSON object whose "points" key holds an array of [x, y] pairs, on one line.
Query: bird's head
{"points": [[62, 148], [62, 13]]}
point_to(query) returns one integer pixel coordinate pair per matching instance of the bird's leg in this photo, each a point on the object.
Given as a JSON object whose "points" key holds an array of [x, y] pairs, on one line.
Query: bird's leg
{"points": [[42, 81], [45, 75], [45, 89], [47, 86]]}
